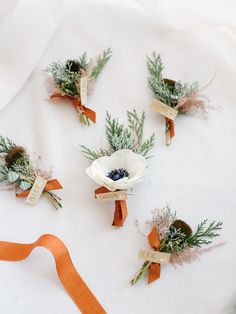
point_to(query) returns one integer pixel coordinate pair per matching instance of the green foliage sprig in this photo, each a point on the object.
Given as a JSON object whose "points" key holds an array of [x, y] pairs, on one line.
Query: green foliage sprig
{"points": [[66, 77], [121, 137], [176, 237], [17, 169], [165, 90], [204, 234]]}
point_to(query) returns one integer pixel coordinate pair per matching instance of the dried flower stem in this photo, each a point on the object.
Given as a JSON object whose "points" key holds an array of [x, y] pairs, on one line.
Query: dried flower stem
{"points": [[141, 273]]}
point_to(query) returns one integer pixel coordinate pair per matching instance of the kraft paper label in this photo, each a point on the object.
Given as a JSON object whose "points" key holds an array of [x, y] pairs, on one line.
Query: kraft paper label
{"points": [[116, 196], [83, 89], [154, 256], [163, 109], [36, 190]]}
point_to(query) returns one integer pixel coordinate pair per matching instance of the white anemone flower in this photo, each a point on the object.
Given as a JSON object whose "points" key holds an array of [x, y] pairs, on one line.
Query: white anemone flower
{"points": [[120, 171]]}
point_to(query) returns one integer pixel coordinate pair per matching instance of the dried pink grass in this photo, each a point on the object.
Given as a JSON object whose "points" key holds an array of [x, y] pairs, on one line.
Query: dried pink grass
{"points": [[162, 219], [194, 103], [191, 254]]}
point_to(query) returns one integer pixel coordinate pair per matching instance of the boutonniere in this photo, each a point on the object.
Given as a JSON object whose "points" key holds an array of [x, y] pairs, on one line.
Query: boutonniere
{"points": [[122, 165], [172, 240], [74, 80], [19, 172], [172, 97]]}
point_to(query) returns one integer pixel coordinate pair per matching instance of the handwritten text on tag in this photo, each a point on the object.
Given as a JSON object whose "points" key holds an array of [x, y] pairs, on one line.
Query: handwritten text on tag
{"points": [[116, 196], [163, 109], [36, 190], [154, 256]]}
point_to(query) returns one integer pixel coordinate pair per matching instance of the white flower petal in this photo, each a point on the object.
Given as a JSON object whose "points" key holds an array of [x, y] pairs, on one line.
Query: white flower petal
{"points": [[134, 164]]}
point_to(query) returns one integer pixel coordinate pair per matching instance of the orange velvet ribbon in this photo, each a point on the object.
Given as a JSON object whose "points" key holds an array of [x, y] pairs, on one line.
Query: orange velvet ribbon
{"points": [[155, 268], [90, 114], [51, 185], [170, 125], [121, 210], [71, 280]]}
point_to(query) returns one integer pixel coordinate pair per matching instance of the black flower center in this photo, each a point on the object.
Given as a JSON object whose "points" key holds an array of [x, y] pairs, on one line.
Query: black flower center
{"points": [[118, 174]]}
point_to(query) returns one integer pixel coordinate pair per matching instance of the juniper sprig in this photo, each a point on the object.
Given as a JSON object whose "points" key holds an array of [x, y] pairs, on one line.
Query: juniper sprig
{"points": [[121, 137], [165, 90]]}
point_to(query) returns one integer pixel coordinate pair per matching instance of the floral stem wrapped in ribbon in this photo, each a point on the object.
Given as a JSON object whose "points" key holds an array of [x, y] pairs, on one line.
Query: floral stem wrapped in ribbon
{"points": [[122, 165], [172, 240], [74, 80], [173, 97], [19, 172]]}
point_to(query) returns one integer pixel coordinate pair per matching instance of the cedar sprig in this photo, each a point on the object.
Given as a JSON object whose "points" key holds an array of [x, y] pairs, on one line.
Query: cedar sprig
{"points": [[101, 62], [136, 124], [204, 234], [89, 153], [121, 137], [165, 91]]}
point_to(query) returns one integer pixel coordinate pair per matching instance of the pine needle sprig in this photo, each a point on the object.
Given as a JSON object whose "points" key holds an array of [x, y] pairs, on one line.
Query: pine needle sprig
{"points": [[101, 62], [204, 234]]}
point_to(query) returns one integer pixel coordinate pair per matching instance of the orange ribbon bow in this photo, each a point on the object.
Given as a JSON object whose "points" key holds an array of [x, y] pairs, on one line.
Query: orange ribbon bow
{"points": [[120, 213], [155, 268], [51, 185], [170, 126], [90, 114], [71, 280]]}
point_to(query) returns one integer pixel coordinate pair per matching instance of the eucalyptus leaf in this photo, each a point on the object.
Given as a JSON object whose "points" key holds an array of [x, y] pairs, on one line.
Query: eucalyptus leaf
{"points": [[24, 185], [12, 176]]}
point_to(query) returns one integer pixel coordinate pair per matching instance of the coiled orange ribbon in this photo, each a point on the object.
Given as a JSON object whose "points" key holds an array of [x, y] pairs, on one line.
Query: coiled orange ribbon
{"points": [[90, 114], [155, 268], [51, 185], [121, 211], [71, 280]]}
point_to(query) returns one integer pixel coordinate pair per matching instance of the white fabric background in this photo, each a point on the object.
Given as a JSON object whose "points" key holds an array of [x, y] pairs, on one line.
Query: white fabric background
{"points": [[195, 175]]}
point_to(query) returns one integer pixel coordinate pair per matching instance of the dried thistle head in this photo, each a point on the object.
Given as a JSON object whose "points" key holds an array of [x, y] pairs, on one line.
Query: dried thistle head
{"points": [[183, 226], [14, 154]]}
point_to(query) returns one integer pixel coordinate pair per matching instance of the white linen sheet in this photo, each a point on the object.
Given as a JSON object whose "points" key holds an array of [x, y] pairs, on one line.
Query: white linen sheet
{"points": [[195, 175]]}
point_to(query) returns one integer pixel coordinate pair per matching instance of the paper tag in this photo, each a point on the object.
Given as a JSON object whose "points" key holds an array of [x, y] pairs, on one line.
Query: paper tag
{"points": [[83, 89], [116, 196], [36, 190], [154, 256], [163, 109]]}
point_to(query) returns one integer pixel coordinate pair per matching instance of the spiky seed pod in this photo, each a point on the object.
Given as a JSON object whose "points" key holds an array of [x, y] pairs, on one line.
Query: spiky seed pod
{"points": [[73, 65], [185, 228], [14, 154]]}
